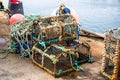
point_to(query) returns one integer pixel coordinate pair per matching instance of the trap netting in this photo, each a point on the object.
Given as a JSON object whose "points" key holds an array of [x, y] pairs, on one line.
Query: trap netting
{"points": [[21, 37], [58, 59], [62, 27], [111, 55]]}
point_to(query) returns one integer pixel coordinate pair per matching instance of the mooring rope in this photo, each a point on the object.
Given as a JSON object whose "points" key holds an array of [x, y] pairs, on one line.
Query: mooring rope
{"points": [[7, 51], [1, 51]]}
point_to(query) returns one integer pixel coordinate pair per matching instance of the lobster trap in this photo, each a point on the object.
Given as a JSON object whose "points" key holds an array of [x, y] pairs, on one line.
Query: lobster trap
{"points": [[62, 27], [58, 59], [111, 56]]}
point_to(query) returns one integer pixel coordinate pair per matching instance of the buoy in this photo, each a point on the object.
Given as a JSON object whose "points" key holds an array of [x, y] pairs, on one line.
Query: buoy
{"points": [[75, 15], [16, 6], [16, 18], [67, 10]]}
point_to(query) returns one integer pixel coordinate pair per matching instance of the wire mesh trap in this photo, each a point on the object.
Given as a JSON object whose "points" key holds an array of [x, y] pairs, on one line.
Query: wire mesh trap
{"points": [[58, 59], [111, 56]]}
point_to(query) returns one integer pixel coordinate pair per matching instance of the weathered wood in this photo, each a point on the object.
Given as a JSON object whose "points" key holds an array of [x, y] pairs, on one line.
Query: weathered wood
{"points": [[90, 33]]}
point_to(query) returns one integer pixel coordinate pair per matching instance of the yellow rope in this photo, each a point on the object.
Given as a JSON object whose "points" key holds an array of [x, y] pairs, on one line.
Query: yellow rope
{"points": [[72, 63]]}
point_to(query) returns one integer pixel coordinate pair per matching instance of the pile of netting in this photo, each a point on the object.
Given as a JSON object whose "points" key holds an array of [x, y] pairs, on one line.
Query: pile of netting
{"points": [[22, 35]]}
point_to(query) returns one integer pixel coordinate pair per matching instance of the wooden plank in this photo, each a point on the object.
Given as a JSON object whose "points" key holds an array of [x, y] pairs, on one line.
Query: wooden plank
{"points": [[89, 33]]}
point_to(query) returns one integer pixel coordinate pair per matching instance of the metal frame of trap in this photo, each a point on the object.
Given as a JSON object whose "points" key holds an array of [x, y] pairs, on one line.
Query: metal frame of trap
{"points": [[61, 62], [111, 56]]}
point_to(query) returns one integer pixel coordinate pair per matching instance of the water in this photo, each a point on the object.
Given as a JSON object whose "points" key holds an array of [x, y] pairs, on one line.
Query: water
{"points": [[95, 15]]}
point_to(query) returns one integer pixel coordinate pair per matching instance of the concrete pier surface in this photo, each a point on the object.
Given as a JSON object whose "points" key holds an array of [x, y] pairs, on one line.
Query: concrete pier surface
{"points": [[15, 67]]}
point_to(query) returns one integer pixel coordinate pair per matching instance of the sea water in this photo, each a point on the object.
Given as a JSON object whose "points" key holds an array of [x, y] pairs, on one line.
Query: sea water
{"points": [[95, 15]]}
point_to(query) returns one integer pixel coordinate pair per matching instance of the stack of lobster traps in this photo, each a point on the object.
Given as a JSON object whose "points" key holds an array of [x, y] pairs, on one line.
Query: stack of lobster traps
{"points": [[52, 42], [111, 56]]}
